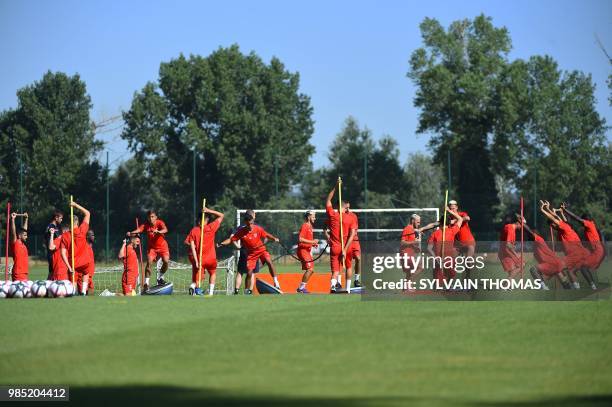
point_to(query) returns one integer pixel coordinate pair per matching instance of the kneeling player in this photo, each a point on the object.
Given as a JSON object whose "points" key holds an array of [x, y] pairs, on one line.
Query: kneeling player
{"points": [[206, 248], [128, 256], [304, 251], [157, 247]]}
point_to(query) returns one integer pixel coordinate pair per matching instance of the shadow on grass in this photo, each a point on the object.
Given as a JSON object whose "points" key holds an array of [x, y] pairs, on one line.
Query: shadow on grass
{"points": [[178, 396]]}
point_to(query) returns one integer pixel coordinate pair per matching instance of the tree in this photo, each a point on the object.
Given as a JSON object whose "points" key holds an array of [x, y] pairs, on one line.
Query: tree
{"points": [[239, 114], [50, 134], [351, 149], [422, 181], [457, 72]]}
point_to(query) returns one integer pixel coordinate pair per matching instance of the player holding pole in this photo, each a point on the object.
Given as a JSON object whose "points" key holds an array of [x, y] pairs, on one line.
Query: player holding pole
{"points": [[20, 250], [202, 252], [410, 244], [506, 253], [306, 242], [76, 242], [127, 254], [8, 230], [157, 247]]}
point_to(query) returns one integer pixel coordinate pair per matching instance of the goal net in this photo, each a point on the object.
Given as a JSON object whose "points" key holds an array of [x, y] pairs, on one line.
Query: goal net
{"points": [[383, 226], [179, 274]]}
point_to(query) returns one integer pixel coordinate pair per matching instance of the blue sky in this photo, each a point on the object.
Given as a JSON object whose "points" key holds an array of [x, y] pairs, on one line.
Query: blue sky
{"points": [[352, 55]]}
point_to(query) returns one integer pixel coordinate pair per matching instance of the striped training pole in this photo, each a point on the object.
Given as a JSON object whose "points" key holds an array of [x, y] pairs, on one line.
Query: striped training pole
{"points": [[201, 244], [142, 272], [341, 228], [72, 238], [8, 229], [522, 236], [444, 228]]}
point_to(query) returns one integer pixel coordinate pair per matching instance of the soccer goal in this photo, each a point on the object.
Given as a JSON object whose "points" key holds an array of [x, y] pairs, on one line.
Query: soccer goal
{"points": [[179, 274], [380, 225]]}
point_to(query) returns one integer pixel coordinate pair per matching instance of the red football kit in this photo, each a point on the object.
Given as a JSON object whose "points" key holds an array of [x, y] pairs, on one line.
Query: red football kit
{"points": [[251, 240], [508, 259], [304, 250], [351, 223], [209, 253], [83, 262], [89, 271], [130, 271], [594, 244], [20, 261], [60, 271], [156, 242], [548, 263], [408, 235], [575, 254], [465, 236], [449, 250]]}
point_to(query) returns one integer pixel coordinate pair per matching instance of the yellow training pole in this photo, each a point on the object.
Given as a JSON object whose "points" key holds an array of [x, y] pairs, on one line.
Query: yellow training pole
{"points": [[340, 212], [444, 227], [201, 243], [72, 238]]}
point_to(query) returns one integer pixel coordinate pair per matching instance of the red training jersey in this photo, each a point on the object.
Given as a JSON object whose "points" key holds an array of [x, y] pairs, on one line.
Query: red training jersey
{"points": [[81, 248], [155, 241], [130, 262], [507, 235], [449, 237], [541, 252], [354, 224], [465, 233], [59, 267], [208, 249], [590, 231], [568, 237], [408, 235], [250, 239], [305, 233], [20, 261]]}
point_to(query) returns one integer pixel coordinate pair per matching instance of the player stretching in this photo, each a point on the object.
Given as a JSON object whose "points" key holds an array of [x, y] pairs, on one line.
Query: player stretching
{"points": [[129, 258], [575, 254], [83, 263], [437, 241], [250, 236], [549, 265], [410, 244], [304, 252], [336, 251], [209, 255], [19, 248], [353, 252], [510, 260], [592, 236], [59, 271], [465, 239], [55, 224], [157, 247]]}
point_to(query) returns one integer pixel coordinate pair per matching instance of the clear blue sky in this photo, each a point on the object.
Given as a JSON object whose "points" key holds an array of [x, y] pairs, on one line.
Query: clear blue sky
{"points": [[352, 55]]}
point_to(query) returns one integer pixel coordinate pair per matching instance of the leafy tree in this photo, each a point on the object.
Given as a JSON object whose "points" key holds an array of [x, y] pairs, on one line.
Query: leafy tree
{"points": [[239, 114], [457, 72], [422, 181], [50, 133]]}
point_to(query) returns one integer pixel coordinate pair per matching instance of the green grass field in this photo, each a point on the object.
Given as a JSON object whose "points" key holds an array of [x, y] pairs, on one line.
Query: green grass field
{"points": [[310, 350]]}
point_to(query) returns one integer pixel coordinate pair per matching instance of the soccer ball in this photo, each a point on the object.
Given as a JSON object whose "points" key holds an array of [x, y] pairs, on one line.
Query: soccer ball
{"points": [[39, 289], [4, 288], [58, 289], [29, 284], [69, 288], [18, 290]]}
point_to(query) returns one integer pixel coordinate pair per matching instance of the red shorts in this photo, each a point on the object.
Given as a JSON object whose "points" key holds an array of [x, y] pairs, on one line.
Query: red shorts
{"points": [[257, 255], [509, 263], [577, 258], [128, 282], [410, 263], [446, 270], [20, 276], [61, 274], [552, 267], [595, 258], [335, 258], [469, 241], [353, 252], [86, 269], [208, 265], [154, 253], [305, 257]]}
